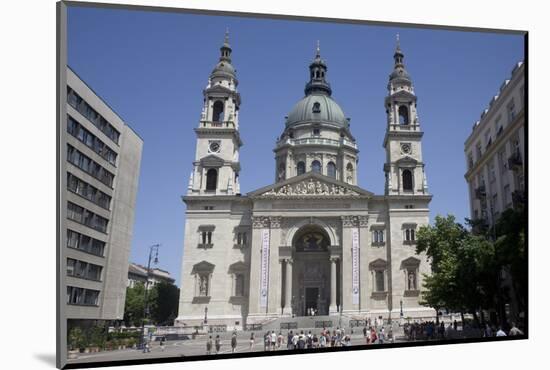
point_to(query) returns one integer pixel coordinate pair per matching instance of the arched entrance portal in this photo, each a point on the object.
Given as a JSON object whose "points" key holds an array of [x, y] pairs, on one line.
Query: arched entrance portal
{"points": [[311, 271]]}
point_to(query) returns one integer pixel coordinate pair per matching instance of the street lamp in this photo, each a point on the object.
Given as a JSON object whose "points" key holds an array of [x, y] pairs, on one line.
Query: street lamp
{"points": [[154, 248]]}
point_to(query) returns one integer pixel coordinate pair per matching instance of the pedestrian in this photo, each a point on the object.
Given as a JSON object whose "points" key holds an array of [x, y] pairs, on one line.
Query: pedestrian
{"points": [[455, 325], [373, 336], [280, 340], [301, 340], [381, 336], [322, 341], [267, 339], [289, 344], [251, 340], [233, 342], [273, 338], [500, 332], [162, 344], [364, 331], [295, 340], [209, 345], [218, 343], [309, 340], [514, 331]]}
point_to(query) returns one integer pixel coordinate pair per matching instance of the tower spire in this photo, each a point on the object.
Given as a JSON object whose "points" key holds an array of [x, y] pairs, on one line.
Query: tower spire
{"points": [[317, 75]]}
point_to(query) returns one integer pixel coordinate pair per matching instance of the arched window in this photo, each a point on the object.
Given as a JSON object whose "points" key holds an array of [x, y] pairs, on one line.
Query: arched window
{"points": [[317, 74], [301, 168], [403, 115], [211, 179], [217, 115], [349, 176], [316, 166], [281, 172], [331, 170], [407, 180]]}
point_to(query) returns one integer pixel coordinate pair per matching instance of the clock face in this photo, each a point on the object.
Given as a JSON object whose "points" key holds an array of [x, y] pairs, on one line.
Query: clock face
{"points": [[406, 148], [214, 147]]}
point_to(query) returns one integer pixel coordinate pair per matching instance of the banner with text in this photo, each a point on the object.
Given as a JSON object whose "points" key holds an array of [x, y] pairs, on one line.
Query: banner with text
{"points": [[355, 265], [264, 279]]}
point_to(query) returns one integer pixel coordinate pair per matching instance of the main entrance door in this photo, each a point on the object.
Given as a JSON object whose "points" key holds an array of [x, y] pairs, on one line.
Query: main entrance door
{"points": [[311, 272], [312, 300]]}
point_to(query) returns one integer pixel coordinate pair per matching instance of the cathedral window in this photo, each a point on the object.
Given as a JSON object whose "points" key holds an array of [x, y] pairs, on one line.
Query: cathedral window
{"points": [[217, 115], [403, 115], [211, 179], [331, 170], [378, 236], [205, 236], [239, 285], [409, 234], [316, 107], [316, 166], [300, 168], [407, 180], [378, 269], [379, 279], [316, 132], [281, 172], [241, 239]]}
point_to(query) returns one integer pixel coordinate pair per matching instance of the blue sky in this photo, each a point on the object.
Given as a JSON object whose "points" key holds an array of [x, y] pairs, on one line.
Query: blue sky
{"points": [[152, 67]]}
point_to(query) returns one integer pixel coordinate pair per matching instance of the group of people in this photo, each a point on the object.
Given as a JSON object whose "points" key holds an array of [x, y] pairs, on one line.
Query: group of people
{"points": [[428, 330], [217, 344], [373, 335]]}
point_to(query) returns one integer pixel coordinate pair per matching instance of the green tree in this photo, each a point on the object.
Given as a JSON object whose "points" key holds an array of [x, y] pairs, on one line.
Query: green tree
{"points": [[165, 308], [135, 303]]}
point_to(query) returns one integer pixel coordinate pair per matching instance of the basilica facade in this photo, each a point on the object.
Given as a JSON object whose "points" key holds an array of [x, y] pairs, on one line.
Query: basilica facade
{"points": [[313, 242]]}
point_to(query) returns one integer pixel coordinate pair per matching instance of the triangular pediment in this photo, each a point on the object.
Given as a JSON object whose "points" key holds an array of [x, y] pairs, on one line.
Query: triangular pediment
{"points": [[310, 184], [406, 160], [211, 161]]}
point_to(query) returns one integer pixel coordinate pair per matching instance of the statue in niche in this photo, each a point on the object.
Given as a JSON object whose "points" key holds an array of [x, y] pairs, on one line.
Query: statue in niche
{"points": [[203, 286], [412, 281]]}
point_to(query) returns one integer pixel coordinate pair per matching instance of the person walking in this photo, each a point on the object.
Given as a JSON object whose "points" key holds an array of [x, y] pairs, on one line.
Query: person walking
{"points": [[322, 341], [273, 339], [218, 343], [233, 342], [280, 340], [267, 339], [295, 340], [209, 345], [514, 331], [251, 341], [162, 344], [289, 344], [500, 332]]}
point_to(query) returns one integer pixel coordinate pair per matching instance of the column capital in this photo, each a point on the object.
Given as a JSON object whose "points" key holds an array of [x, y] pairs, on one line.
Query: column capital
{"points": [[275, 221], [352, 221], [260, 222], [334, 259]]}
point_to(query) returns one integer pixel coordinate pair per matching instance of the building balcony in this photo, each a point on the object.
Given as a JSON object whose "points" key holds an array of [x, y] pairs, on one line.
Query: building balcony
{"points": [[378, 244], [480, 192], [205, 245], [409, 242], [515, 162], [318, 141], [217, 124], [240, 246]]}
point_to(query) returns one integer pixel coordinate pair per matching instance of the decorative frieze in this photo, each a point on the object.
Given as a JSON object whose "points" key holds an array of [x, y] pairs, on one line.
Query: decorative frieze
{"points": [[311, 187], [275, 222]]}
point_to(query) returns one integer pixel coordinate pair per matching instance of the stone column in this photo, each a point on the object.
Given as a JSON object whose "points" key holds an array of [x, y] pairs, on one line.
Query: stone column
{"points": [[364, 241], [333, 309], [275, 268], [287, 309], [348, 222]]}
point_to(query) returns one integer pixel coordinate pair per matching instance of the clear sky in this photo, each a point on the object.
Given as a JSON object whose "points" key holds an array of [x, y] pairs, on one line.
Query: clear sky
{"points": [[151, 67]]}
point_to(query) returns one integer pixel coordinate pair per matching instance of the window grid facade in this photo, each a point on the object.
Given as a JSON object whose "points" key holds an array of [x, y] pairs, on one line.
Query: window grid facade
{"points": [[90, 140], [85, 243], [88, 191], [85, 217], [89, 166]]}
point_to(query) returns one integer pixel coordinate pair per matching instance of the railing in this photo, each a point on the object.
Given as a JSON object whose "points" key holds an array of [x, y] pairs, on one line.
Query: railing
{"points": [[254, 327], [217, 328], [289, 325], [480, 192], [323, 324], [357, 323], [318, 141], [218, 124], [205, 245]]}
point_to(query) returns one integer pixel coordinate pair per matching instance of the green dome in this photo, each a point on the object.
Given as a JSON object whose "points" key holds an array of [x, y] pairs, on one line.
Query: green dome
{"points": [[327, 110]]}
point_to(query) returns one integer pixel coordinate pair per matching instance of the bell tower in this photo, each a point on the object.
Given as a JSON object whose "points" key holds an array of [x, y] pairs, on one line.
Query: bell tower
{"points": [[216, 166], [404, 168]]}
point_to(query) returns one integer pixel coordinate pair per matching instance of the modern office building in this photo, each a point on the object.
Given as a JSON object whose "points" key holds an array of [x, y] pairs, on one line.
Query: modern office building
{"points": [[138, 274], [495, 152], [100, 184], [313, 242]]}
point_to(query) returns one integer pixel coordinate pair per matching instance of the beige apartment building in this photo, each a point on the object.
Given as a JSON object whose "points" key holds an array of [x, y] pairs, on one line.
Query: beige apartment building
{"points": [[99, 179], [495, 151]]}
